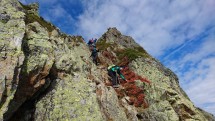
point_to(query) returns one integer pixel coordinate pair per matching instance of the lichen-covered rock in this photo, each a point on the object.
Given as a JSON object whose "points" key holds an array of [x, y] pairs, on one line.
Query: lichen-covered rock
{"points": [[110, 104], [115, 37], [164, 87], [160, 111], [48, 75], [38, 61], [12, 29], [33, 9], [72, 98]]}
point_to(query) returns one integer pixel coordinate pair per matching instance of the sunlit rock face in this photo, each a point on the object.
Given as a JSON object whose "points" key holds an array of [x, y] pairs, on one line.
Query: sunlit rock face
{"points": [[47, 75]]}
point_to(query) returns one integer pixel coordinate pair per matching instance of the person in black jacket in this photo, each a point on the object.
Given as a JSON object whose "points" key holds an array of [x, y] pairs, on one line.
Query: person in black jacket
{"points": [[94, 55]]}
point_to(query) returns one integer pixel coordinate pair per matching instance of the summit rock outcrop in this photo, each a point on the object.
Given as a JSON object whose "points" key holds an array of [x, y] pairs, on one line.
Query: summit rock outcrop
{"points": [[46, 75]]}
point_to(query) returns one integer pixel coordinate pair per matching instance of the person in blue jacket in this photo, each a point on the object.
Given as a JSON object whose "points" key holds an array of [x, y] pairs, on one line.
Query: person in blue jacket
{"points": [[113, 70]]}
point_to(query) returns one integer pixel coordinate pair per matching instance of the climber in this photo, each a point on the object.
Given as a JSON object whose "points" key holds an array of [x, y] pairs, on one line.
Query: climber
{"points": [[94, 55], [113, 70], [92, 42], [95, 40]]}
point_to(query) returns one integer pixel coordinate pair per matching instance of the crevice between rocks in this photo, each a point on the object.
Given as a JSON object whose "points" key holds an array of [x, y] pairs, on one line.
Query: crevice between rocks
{"points": [[13, 85], [27, 110], [6, 89], [4, 96]]}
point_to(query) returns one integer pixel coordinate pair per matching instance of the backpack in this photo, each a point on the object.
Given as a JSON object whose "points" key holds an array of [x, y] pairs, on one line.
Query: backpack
{"points": [[91, 48], [109, 67]]}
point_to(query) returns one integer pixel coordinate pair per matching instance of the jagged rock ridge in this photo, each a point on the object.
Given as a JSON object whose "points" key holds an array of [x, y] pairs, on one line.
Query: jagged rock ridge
{"points": [[47, 75]]}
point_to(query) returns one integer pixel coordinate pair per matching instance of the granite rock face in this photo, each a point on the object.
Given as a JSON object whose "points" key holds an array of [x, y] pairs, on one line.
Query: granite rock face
{"points": [[12, 29], [47, 75], [166, 99]]}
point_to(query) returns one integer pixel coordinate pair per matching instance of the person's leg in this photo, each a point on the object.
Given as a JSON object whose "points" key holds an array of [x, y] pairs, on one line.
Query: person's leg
{"points": [[93, 59], [113, 76], [96, 56]]}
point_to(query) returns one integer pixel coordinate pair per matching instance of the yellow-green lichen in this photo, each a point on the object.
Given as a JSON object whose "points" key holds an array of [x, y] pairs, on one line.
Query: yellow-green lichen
{"points": [[72, 99], [11, 10], [4, 107]]}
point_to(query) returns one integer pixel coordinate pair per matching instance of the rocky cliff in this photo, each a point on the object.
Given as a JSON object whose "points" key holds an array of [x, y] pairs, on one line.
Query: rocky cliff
{"points": [[46, 75]]}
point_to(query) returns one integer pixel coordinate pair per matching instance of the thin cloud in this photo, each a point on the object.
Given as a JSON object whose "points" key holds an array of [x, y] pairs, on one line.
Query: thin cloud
{"points": [[57, 12], [149, 22], [196, 71], [201, 88]]}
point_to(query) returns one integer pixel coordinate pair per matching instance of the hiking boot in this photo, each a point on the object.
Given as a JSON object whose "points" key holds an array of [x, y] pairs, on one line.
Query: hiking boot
{"points": [[115, 86]]}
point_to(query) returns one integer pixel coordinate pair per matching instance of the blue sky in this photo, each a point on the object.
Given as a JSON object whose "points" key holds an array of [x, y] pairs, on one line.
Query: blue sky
{"points": [[181, 34]]}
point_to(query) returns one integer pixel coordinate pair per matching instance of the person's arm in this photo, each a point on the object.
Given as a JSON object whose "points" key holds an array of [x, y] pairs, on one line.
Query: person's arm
{"points": [[122, 76], [95, 40]]}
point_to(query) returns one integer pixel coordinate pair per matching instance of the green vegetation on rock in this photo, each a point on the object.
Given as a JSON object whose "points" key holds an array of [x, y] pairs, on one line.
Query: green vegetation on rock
{"points": [[26, 7], [30, 18], [102, 44], [80, 39], [132, 54]]}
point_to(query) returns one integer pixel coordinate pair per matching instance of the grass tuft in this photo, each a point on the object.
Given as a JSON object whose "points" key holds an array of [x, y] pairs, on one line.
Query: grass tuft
{"points": [[30, 18], [26, 7], [132, 54], [102, 45]]}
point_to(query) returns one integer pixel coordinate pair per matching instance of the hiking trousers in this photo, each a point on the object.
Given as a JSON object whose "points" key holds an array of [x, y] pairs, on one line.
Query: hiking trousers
{"points": [[113, 76], [94, 56]]}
